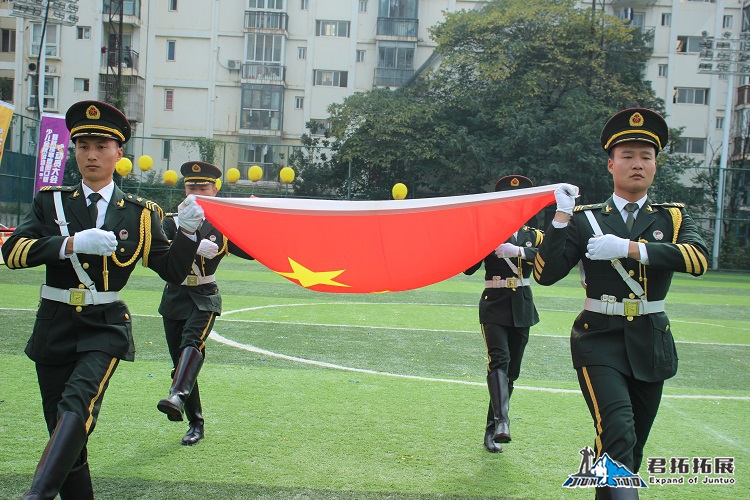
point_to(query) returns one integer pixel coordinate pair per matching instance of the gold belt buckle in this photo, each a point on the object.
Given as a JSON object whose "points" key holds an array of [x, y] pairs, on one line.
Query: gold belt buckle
{"points": [[631, 307], [192, 281], [77, 297], [512, 283]]}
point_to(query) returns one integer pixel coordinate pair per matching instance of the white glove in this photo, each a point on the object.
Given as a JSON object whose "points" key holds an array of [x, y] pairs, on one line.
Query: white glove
{"points": [[565, 197], [208, 249], [607, 247], [190, 214], [94, 241], [508, 250]]}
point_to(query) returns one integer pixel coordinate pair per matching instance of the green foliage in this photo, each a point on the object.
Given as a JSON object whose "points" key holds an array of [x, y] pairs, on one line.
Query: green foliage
{"points": [[207, 148], [522, 87]]}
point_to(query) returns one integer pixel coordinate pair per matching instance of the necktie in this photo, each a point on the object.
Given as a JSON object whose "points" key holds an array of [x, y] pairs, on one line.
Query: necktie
{"points": [[93, 212], [630, 208]]}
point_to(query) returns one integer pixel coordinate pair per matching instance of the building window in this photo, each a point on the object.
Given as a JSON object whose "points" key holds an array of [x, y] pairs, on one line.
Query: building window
{"points": [[363, 5], [332, 28], [328, 78], [690, 145], [728, 21], [690, 96], [395, 55], [301, 52], [266, 4], [83, 32], [8, 40], [689, 43], [169, 99], [262, 107], [81, 84], [663, 70], [360, 56], [299, 102], [719, 122], [173, 5], [171, 46], [50, 92], [51, 38], [166, 146], [264, 48], [666, 19], [303, 5]]}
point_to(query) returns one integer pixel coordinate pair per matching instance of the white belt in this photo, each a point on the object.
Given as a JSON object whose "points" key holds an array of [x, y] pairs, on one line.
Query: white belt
{"points": [[199, 280], [496, 282], [78, 296], [628, 307]]}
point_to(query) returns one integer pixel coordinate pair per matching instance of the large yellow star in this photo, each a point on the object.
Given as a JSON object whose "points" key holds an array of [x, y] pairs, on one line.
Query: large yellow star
{"points": [[308, 278]]}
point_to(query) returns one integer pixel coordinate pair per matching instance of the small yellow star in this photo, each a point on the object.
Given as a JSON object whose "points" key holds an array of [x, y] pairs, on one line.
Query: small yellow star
{"points": [[308, 278]]}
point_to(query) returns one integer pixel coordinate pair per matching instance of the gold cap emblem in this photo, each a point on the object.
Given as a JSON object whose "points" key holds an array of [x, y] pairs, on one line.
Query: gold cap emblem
{"points": [[515, 182], [636, 120], [93, 113], [196, 168]]}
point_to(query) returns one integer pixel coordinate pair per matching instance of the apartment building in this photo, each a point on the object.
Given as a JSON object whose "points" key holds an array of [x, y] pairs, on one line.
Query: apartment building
{"points": [[247, 73]]}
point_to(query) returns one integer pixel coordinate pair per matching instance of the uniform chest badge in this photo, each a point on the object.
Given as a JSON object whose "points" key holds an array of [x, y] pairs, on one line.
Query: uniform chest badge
{"points": [[658, 235], [123, 235], [212, 237], [528, 244]]}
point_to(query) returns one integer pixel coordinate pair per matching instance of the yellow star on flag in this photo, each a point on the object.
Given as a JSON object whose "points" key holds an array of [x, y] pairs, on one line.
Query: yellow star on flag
{"points": [[308, 278]]}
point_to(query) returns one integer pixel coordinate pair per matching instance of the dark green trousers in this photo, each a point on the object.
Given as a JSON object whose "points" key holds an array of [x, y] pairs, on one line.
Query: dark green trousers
{"points": [[623, 410]]}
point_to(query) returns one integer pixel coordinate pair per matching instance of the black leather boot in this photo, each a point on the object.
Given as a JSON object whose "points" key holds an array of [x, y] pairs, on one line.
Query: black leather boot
{"points": [[62, 451], [78, 484], [194, 414], [185, 376], [607, 493], [497, 382], [489, 431]]}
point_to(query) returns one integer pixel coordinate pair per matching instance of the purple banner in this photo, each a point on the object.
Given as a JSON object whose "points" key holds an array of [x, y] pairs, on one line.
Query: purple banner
{"points": [[53, 151]]}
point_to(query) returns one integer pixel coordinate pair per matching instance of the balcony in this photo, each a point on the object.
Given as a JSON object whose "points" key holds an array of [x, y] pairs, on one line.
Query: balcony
{"points": [[129, 61], [264, 20], [263, 122], [133, 94], [131, 11], [263, 72], [619, 4], [392, 77], [397, 27]]}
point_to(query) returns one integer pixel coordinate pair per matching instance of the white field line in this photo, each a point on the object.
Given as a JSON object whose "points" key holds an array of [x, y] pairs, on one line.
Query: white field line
{"points": [[246, 347]]}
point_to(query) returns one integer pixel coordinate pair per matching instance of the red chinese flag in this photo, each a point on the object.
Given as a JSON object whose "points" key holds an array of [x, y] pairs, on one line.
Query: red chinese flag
{"points": [[373, 246]]}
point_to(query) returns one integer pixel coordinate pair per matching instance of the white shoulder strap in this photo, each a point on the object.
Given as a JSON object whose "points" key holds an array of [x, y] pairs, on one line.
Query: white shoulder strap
{"points": [[512, 266], [632, 284], [64, 231]]}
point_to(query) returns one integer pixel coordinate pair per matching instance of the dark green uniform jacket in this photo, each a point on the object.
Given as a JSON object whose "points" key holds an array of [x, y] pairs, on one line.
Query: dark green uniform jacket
{"points": [[177, 301], [641, 346], [505, 306], [136, 223]]}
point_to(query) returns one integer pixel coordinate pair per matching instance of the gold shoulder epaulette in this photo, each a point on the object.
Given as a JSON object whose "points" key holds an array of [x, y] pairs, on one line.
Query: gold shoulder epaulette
{"points": [[150, 205], [57, 188], [580, 208], [668, 205]]}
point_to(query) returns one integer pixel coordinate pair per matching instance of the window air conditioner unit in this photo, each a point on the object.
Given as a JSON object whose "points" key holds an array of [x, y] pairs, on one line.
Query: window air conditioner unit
{"points": [[234, 64]]}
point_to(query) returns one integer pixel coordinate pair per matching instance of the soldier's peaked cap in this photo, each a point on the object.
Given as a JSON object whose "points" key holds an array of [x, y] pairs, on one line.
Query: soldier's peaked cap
{"points": [[97, 119], [199, 172], [635, 124], [513, 182]]}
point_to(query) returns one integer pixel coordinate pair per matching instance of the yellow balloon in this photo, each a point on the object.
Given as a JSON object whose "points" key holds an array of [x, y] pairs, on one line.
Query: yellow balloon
{"points": [[399, 191], [233, 175], [145, 162], [218, 184], [124, 166], [286, 175], [255, 173], [170, 177]]}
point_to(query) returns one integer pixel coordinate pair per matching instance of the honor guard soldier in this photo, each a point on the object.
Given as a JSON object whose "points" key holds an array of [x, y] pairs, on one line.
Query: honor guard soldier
{"points": [[506, 313], [89, 237], [189, 307], [629, 247]]}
